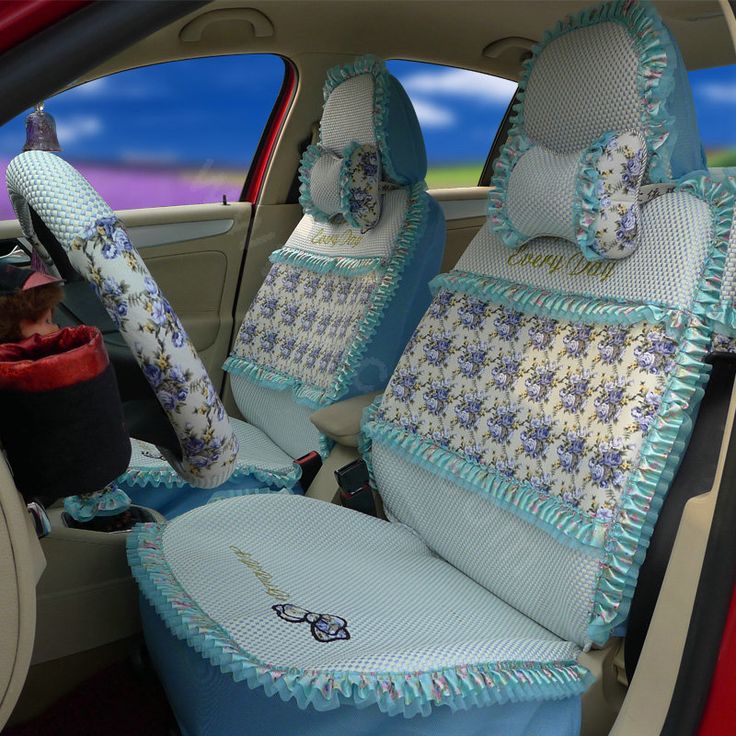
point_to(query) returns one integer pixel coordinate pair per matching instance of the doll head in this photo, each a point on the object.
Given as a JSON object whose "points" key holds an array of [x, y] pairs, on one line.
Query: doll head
{"points": [[27, 301]]}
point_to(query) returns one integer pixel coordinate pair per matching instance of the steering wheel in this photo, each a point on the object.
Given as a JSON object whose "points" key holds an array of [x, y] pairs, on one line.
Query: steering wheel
{"points": [[87, 241]]}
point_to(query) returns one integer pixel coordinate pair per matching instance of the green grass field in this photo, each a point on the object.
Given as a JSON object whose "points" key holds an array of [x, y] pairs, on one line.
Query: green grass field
{"points": [[467, 175], [463, 175], [722, 157]]}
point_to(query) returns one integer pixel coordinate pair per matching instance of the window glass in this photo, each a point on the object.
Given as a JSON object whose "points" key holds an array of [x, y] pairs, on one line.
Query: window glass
{"points": [[714, 91], [183, 132], [459, 112]]}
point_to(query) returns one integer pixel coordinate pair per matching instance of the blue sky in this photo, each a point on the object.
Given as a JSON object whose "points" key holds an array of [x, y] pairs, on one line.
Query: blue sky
{"points": [[213, 110]]}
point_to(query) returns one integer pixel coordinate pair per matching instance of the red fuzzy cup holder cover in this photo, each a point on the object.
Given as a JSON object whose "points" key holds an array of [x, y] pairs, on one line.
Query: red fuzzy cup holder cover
{"points": [[61, 420]]}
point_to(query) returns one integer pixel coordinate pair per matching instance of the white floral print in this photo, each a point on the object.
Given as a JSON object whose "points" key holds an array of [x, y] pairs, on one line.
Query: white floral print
{"points": [[303, 324], [561, 406]]}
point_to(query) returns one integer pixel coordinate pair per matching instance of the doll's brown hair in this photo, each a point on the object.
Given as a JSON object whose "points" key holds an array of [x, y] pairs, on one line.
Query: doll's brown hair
{"points": [[29, 304]]}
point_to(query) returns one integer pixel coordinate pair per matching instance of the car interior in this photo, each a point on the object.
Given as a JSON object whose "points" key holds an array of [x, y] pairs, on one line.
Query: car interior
{"points": [[403, 458]]}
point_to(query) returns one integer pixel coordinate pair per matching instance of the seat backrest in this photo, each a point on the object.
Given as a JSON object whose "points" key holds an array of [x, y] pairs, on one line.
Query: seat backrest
{"points": [[534, 423], [349, 286]]}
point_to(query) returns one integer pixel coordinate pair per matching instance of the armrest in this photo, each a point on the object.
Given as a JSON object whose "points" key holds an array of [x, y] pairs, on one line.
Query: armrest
{"points": [[341, 421]]}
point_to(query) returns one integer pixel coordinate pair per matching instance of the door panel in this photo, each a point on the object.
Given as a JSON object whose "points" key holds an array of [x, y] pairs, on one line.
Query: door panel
{"points": [[465, 213], [195, 253]]}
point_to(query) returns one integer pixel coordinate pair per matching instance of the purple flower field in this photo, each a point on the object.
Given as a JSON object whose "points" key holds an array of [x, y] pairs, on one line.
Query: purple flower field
{"points": [[135, 186]]}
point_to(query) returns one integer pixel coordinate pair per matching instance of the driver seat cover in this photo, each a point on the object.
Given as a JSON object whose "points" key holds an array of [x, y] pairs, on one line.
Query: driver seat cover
{"points": [[346, 290], [523, 446]]}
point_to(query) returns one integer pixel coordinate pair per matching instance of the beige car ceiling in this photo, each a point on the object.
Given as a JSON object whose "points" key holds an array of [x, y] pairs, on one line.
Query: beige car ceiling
{"points": [[453, 32]]}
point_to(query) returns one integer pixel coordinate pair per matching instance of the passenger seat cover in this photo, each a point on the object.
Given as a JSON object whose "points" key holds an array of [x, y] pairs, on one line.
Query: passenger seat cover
{"points": [[342, 296], [562, 390]]}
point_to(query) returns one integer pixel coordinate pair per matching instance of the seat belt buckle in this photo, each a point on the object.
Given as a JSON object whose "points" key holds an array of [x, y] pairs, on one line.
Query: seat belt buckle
{"points": [[310, 465], [355, 489]]}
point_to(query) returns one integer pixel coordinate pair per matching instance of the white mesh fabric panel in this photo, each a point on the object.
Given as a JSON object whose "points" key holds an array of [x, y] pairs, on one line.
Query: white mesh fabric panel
{"points": [[348, 114], [256, 450], [542, 176], [339, 239], [397, 622], [278, 415], [549, 582], [324, 184], [676, 232], [61, 197], [584, 84], [728, 287]]}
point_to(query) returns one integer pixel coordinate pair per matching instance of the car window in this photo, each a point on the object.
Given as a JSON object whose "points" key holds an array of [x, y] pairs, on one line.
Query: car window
{"points": [[178, 133], [714, 92], [459, 112]]}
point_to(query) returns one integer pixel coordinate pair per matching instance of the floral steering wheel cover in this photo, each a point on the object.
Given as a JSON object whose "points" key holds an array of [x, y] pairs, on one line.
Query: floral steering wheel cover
{"points": [[104, 255]]}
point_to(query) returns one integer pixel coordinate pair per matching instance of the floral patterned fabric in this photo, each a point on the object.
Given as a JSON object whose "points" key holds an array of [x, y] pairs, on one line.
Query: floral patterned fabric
{"points": [[614, 217], [104, 255], [561, 407], [302, 324], [360, 186], [344, 187]]}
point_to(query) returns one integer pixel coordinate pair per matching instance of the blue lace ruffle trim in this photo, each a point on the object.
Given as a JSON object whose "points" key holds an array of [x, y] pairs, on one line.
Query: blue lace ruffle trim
{"points": [[166, 476]]}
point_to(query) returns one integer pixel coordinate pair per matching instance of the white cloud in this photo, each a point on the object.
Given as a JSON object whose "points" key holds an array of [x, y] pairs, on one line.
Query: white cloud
{"points": [[433, 116], [116, 86], [77, 127], [723, 93], [461, 83]]}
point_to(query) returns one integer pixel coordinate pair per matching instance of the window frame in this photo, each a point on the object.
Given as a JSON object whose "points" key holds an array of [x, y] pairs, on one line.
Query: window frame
{"points": [[254, 178]]}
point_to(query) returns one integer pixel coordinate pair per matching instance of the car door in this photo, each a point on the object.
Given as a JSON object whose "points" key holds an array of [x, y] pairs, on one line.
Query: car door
{"points": [[169, 147]]}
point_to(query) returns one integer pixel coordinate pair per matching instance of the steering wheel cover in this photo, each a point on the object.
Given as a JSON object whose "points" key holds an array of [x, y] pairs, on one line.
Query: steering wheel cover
{"points": [[99, 248]]}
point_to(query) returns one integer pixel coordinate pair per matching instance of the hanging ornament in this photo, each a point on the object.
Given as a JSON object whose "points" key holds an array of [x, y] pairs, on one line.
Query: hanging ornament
{"points": [[41, 131]]}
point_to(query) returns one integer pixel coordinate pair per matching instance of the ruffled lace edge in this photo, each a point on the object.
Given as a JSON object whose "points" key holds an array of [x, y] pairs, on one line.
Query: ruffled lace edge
{"points": [[166, 477], [407, 693]]}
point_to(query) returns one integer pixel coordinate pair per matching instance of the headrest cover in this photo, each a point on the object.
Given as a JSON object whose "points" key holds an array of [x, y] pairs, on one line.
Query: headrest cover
{"points": [[607, 71], [590, 198], [344, 175]]}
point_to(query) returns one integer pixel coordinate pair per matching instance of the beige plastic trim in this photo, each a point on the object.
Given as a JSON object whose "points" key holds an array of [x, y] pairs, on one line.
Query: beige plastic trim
{"points": [[21, 565], [645, 708], [602, 701], [87, 597], [462, 202], [730, 16], [341, 421], [502, 45]]}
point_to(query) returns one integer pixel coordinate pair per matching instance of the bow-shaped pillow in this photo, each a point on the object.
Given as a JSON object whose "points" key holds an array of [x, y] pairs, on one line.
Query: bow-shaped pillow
{"points": [[342, 187], [590, 198]]}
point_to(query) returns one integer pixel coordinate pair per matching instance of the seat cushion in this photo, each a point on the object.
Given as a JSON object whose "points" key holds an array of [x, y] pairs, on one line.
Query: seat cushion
{"points": [[258, 457], [223, 705], [325, 605]]}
